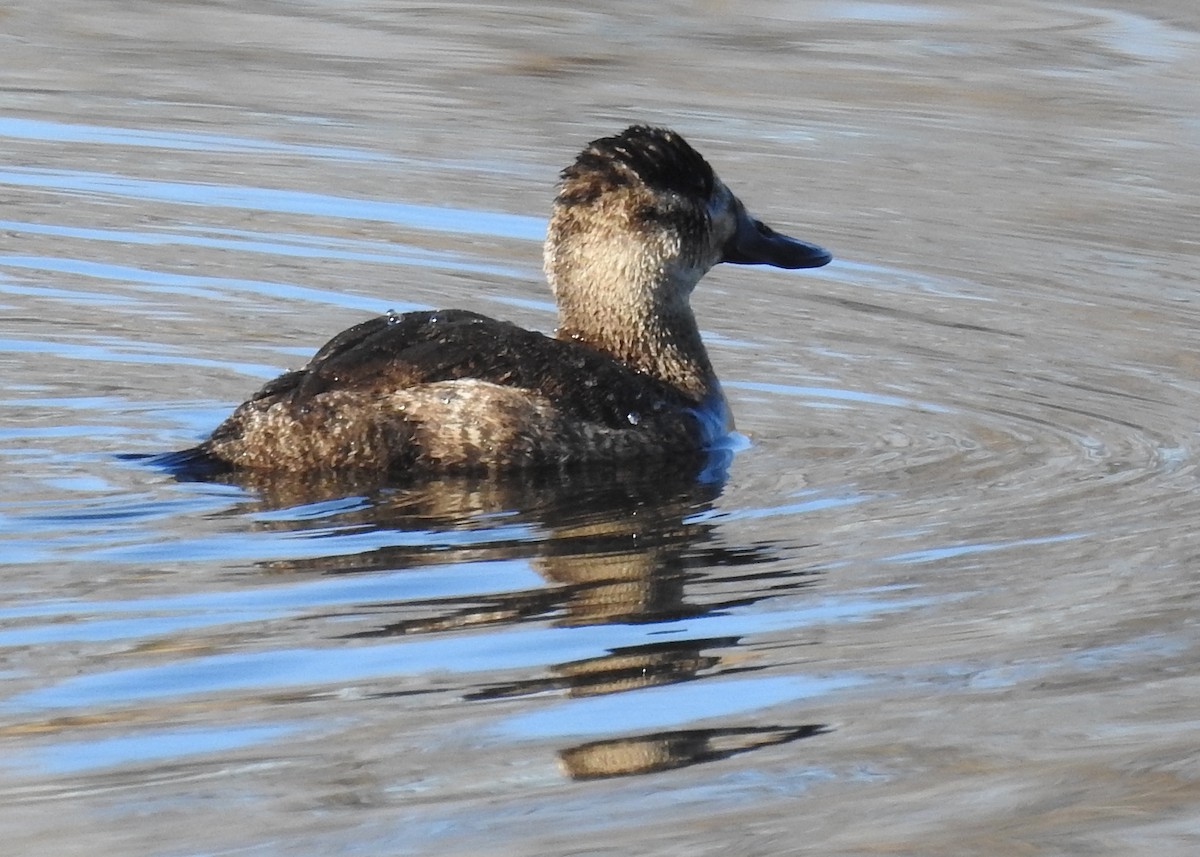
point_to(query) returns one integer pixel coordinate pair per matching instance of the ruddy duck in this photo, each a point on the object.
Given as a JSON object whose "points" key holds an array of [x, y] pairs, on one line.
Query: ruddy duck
{"points": [[639, 218]]}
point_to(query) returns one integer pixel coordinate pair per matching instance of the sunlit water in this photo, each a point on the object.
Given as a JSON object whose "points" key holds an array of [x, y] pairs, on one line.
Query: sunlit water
{"points": [[944, 601]]}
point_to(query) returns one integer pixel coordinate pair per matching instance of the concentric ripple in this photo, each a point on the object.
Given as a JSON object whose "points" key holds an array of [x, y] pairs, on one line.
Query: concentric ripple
{"points": [[950, 567]]}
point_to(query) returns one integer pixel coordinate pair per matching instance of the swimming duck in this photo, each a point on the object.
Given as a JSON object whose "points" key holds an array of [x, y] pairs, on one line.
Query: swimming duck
{"points": [[639, 218]]}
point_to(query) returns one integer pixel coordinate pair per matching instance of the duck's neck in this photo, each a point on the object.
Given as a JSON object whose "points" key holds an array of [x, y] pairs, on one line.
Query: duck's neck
{"points": [[661, 341]]}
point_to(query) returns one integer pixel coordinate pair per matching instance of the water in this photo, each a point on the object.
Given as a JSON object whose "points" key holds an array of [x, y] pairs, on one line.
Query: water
{"points": [[944, 601]]}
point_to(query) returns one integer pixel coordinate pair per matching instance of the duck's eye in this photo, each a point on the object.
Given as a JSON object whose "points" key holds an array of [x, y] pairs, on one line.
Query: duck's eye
{"points": [[649, 214], [675, 213]]}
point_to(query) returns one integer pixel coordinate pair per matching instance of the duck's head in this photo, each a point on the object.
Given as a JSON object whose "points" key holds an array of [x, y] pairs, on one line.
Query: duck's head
{"points": [[639, 218], [647, 191]]}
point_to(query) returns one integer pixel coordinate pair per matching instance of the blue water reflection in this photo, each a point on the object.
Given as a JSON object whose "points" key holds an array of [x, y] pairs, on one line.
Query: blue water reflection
{"points": [[409, 215], [141, 748], [22, 128], [498, 650], [671, 706]]}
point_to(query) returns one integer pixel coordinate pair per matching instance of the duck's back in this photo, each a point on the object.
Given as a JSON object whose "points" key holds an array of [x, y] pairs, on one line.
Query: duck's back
{"points": [[454, 390]]}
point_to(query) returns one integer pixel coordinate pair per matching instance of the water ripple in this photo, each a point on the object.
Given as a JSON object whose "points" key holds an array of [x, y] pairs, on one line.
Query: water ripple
{"points": [[47, 131], [302, 246], [409, 215], [494, 652]]}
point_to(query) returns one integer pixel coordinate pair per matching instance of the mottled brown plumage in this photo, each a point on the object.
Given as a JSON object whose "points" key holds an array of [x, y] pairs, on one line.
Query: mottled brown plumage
{"points": [[639, 218]]}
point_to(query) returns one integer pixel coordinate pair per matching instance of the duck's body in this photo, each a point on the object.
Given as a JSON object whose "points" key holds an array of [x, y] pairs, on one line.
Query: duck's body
{"points": [[453, 390], [639, 219]]}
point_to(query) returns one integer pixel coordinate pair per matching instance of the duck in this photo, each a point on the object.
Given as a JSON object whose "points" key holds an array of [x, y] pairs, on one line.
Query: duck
{"points": [[639, 218]]}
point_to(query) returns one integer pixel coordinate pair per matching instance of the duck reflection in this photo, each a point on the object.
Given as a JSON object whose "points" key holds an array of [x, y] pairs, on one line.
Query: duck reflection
{"points": [[663, 751], [617, 547]]}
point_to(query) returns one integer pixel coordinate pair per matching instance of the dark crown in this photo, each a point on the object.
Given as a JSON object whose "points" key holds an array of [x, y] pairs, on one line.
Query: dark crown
{"points": [[656, 158]]}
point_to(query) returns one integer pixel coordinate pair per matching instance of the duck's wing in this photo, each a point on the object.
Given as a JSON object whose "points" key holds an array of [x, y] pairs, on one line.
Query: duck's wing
{"points": [[375, 353], [394, 352]]}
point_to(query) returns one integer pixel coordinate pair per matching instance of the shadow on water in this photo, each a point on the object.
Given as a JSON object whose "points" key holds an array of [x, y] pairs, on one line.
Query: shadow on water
{"points": [[614, 551]]}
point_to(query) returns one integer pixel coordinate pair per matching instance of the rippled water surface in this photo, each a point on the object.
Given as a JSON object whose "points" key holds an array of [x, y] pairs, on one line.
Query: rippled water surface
{"points": [[944, 602]]}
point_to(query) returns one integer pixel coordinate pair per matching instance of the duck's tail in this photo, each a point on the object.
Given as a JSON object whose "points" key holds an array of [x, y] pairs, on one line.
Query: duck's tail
{"points": [[196, 463]]}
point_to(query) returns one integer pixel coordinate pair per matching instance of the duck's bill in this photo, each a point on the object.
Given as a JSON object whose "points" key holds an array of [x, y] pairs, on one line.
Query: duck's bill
{"points": [[755, 243]]}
